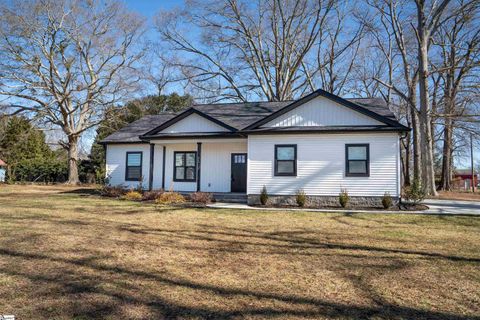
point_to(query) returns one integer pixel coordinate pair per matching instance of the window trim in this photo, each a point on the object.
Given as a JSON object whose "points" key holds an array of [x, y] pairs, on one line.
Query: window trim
{"points": [[367, 160], [283, 174], [127, 178], [184, 166]]}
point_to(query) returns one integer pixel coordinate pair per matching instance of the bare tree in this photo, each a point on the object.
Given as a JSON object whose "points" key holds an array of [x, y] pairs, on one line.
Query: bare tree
{"points": [[66, 61], [458, 43], [247, 49], [388, 25]]}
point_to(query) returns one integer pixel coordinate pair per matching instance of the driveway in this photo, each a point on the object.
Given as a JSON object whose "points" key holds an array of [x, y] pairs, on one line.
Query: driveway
{"points": [[452, 207]]}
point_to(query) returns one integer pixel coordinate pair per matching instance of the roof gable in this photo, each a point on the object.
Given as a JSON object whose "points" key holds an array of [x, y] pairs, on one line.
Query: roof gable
{"points": [[191, 120], [334, 98], [321, 111]]}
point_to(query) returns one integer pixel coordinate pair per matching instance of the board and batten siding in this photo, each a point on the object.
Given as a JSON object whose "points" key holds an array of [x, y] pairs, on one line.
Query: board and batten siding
{"points": [[321, 165], [216, 165], [116, 161], [321, 111], [194, 123]]}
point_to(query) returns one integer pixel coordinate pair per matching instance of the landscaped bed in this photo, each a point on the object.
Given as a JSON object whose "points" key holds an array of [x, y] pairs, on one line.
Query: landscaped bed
{"points": [[67, 253]]}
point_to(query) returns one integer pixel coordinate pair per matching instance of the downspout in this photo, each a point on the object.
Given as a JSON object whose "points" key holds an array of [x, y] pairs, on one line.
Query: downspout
{"points": [[163, 167]]}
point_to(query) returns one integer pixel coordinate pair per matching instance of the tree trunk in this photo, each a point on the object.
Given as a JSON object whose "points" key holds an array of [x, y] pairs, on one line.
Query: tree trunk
{"points": [[426, 143], [446, 180], [73, 160], [417, 156]]}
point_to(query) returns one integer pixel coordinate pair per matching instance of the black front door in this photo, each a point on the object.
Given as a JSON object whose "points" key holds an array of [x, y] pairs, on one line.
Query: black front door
{"points": [[239, 172]]}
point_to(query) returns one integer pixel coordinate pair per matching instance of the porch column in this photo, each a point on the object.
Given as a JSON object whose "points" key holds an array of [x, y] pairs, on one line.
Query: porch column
{"points": [[150, 176], [199, 157], [164, 154]]}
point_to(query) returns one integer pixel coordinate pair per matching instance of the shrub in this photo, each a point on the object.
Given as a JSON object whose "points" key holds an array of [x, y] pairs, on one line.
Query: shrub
{"points": [[152, 195], [132, 195], [201, 197], [264, 196], [301, 198], [170, 198], [343, 198], [112, 191], [415, 192], [387, 200]]}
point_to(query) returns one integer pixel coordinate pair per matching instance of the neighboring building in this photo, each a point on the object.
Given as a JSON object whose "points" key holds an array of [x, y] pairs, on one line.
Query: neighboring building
{"points": [[462, 179], [3, 167], [320, 143]]}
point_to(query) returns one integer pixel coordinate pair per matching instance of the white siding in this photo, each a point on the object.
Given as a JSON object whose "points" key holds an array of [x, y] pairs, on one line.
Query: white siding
{"points": [[194, 123], [169, 183], [321, 111], [321, 164], [157, 167], [216, 165], [116, 161], [215, 162]]}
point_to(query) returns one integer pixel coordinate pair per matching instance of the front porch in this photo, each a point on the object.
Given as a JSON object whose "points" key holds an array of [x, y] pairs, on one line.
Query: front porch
{"points": [[217, 166]]}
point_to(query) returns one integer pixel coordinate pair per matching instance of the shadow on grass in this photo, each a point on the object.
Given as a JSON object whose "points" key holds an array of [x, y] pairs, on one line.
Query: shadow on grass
{"points": [[166, 308]]}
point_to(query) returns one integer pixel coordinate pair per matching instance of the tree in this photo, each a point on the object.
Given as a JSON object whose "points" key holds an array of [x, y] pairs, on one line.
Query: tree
{"points": [[274, 50], [458, 47], [67, 62], [132, 111], [22, 143]]}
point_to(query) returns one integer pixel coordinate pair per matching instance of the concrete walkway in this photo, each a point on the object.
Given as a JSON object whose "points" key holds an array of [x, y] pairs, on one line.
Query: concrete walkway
{"points": [[444, 207]]}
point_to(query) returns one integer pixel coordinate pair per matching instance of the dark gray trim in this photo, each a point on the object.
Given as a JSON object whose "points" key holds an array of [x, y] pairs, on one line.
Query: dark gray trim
{"points": [[332, 97], [183, 115], [309, 130], [347, 162], [122, 142], [205, 135], [150, 175], [164, 154], [185, 166], [282, 174], [199, 161], [127, 166]]}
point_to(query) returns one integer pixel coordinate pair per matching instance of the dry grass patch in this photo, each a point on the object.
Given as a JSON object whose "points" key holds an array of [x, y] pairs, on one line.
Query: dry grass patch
{"points": [[67, 254]]}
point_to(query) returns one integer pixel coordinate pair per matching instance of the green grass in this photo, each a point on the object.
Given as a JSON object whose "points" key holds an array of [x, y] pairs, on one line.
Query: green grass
{"points": [[67, 254]]}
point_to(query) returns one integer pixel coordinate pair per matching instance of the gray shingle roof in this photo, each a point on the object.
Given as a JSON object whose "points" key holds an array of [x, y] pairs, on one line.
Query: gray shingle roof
{"points": [[240, 115], [236, 115], [131, 132]]}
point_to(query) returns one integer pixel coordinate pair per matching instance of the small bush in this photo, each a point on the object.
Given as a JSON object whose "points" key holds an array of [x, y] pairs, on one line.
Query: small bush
{"points": [[170, 198], [343, 198], [264, 196], [301, 198], [414, 193], [132, 196], [387, 200], [201, 197], [152, 195], [112, 191]]}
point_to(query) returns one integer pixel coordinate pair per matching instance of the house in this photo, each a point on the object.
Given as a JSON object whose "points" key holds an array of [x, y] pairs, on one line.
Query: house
{"points": [[3, 167], [462, 179], [320, 143]]}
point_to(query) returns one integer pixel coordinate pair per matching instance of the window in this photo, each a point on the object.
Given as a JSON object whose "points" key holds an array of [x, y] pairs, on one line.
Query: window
{"points": [[185, 167], [239, 158], [357, 160], [286, 160], [133, 170]]}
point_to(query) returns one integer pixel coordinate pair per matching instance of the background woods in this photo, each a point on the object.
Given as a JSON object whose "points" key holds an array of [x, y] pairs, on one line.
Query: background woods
{"points": [[78, 65]]}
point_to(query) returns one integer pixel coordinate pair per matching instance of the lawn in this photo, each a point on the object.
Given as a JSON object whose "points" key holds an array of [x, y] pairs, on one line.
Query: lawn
{"points": [[68, 254]]}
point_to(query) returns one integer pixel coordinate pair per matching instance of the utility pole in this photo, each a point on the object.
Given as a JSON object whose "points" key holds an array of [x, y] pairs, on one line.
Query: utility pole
{"points": [[471, 158]]}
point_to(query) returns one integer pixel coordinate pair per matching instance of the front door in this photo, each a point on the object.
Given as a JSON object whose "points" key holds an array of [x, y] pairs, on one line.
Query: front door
{"points": [[239, 172]]}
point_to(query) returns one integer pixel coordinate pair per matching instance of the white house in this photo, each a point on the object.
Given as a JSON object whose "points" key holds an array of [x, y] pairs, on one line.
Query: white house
{"points": [[320, 143], [3, 165]]}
